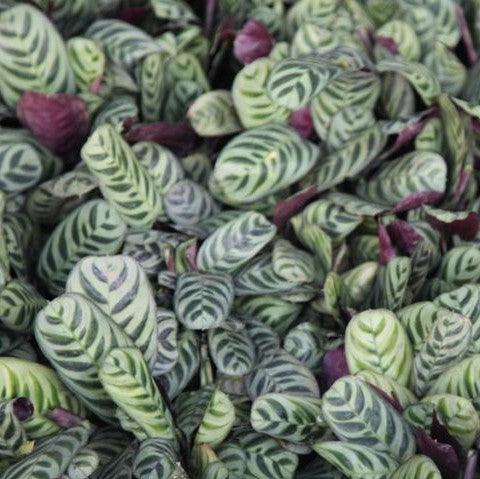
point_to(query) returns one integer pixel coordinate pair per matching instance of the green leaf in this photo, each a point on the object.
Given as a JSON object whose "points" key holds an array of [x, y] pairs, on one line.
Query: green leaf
{"points": [[234, 458], [464, 300], [447, 342], [155, 459], [347, 407], [397, 96], [84, 464], [125, 376], [52, 457], [286, 417], [357, 461], [281, 373], [460, 265], [174, 10], [122, 180], [93, 228], [234, 243], [232, 351], [115, 111], [404, 37], [76, 336], [120, 288], [12, 432], [167, 352], [32, 55], [375, 340], [293, 264], [249, 93], [417, 466], [259, 162], [415, 172], [265, 459]]}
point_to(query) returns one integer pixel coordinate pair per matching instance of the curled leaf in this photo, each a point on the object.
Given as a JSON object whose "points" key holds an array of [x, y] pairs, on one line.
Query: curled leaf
{"points": [[405, 236], [252, 41], [22, 408], [386, 250], [302, 121], [334, 366]]}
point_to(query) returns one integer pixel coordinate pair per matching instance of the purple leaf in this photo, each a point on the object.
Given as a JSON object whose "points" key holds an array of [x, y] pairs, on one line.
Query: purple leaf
{"points": [[22, 408], [475, 126], [252, 41], [191, 256], [386, 250], [443, 455], [210, 8], [64, 418], [133, 15], [334, 366], [60, 121], [466, 36], [178, 137], [302, 121], [388, 43], [289, 207], [415, 200], [471, 465], [404, 235], [366, 38], [466, 228], [462, 185], [440, 433]]}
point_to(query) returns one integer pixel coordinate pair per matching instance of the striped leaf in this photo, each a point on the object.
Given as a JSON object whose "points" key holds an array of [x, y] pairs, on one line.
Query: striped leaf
{"points": [[232, 351], [314, 38], [175, 10], [390, 290], [265, 459], [155, 459], [167, 353], [293, 264], [152, 84], [53, 199], [123, 43], [160, 163], [461, 265], [205, 415], [12, 433], [122, 180], [364, 248], [431, 136], [259, 162], [87, 61], [16, 345], [457, 414], [203, 301], [447, 342], [354, 205], [121, 467], [19, 303], [183, 94], [188, 203], [125, 376], [281, 373], [464, 300], [115, 111], [198, 167], [32, 55], [421, 79], [234, 458], [52, 457], [397, 96], [92, 229], [305, 10], [83, 465], [418, 466], [290, 418], [404, 37], [249, 93], [418, 320], [375, 340], [347, 407], [461, 379], [176, 380], [357, 461], [266, 341], [272, 311], [357, 88], [359, 282], [213, 114], [120, 288], [401, 393], [206, 463], [234, 243], [415, 172], [351, 159], [293, 82], [78, 357]]}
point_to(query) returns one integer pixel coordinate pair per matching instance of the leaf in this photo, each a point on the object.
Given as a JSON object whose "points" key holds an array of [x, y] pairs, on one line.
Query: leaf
{"points": [[293, 264], [417, 466], [154, 459], [257, 163], [203, 301], [464, 300], [167, 353], [347, 407], [33, 56], [375, 340], [12, 432], [290, 418], [234, 243], [460, 265], [76, 336], [281, 373], [125, 376], [93, 228], [232, 351], [404, 38], [213, 114], [355, 460], [52, 457], [205, 416], [122, 180], [175, 10], [84, 463], [116, 112], [265, 459], [415, 172]]}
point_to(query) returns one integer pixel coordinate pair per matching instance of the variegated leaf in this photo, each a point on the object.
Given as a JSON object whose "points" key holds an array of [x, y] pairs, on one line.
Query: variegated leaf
{"points": [[417, 466]]}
